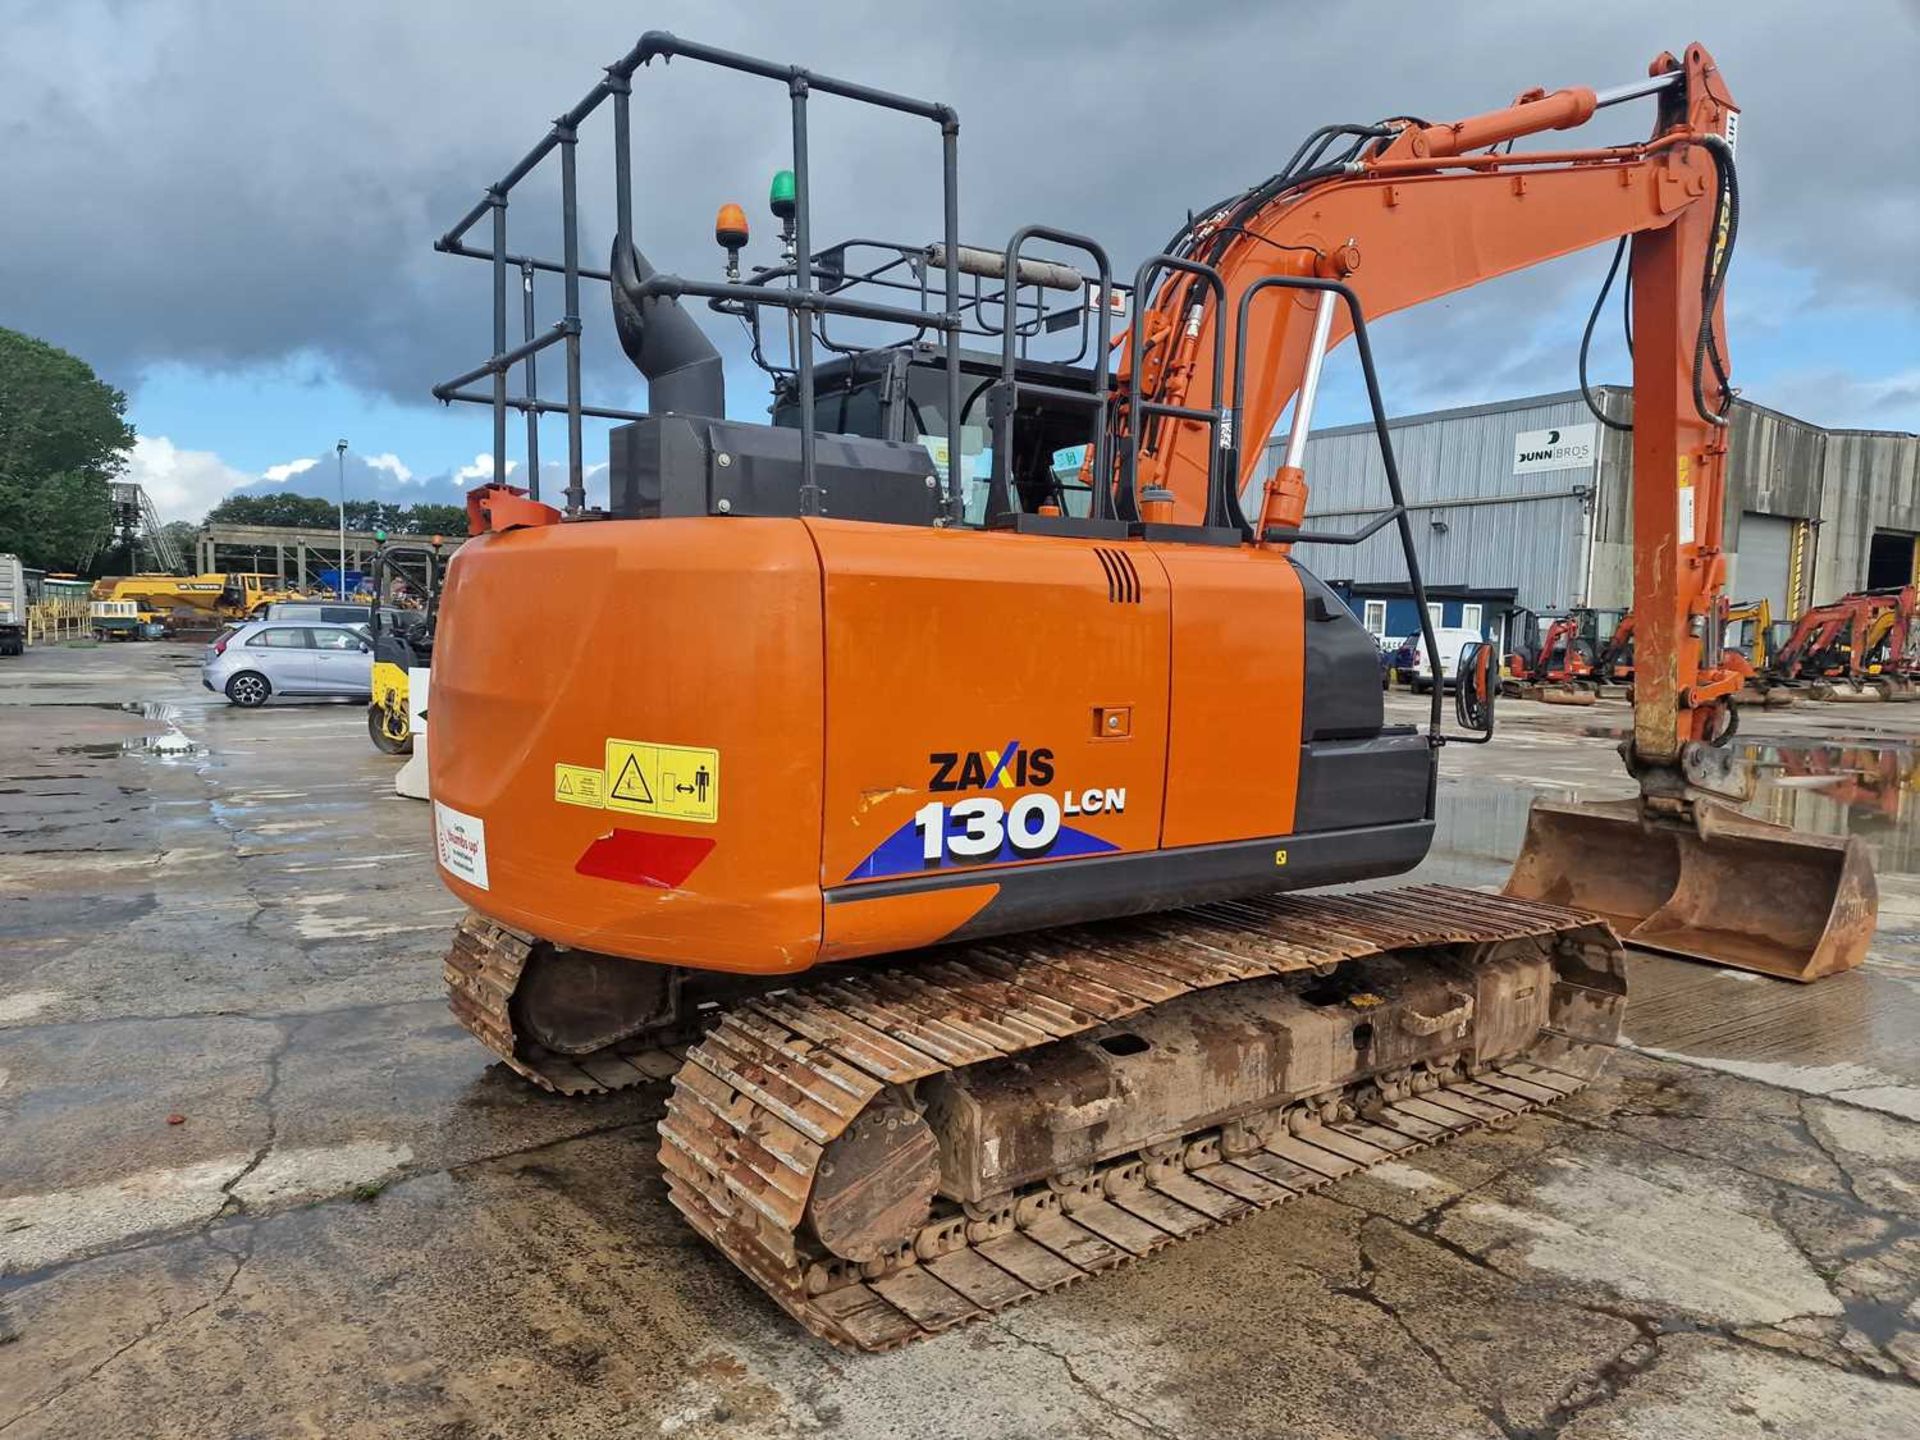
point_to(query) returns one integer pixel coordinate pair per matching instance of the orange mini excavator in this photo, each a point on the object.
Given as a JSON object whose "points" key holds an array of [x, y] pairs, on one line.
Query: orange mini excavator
{"points": [[924, 781], [1551, 660], [1856, 648]]}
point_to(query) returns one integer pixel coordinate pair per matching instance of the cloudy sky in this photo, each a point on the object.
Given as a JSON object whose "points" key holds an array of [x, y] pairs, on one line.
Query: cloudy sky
{"points": [[228, 206]]}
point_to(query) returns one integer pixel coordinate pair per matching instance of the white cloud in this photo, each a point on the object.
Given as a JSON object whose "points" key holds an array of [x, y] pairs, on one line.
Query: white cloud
{"points": [[281, 473], [1842, 399], [183, 484], [391, 463], [482, 468]]}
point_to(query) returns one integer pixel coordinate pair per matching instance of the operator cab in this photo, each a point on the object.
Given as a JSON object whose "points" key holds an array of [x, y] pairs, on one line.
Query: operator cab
{"points": [[900, 394], [886, 391]]}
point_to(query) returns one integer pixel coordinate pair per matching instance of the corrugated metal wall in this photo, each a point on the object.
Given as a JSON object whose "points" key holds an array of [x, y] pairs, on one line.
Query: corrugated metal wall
{"points": [[1850, 482], [1773, 469], [1477, 523], [1869, 480]]}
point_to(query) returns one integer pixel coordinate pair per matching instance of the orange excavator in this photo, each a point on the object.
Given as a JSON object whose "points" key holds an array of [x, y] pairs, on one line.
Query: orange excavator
{"points": [[1856, 648], [1613, 668], [1560, 667], [926, 782]]}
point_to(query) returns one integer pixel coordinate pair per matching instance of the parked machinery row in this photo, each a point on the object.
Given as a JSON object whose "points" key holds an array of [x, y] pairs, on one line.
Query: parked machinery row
{"points": [[1863, 646]]}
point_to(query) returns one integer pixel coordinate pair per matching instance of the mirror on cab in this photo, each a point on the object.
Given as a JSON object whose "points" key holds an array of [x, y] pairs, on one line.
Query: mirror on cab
{"points": [[1476, 680]]}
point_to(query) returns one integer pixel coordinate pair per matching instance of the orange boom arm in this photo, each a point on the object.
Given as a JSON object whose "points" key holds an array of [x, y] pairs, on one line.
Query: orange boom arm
{"points": [[1418, 217]]}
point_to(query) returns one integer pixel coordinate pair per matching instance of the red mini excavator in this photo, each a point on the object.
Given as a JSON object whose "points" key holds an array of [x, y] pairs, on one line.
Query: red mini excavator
{"points": [[926, 781], [1559, 667]]}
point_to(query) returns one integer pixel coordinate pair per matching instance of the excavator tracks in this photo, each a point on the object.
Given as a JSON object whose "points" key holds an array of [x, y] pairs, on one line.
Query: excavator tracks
{"points": [[778, 1077], [482, 971], [781, 1077]]}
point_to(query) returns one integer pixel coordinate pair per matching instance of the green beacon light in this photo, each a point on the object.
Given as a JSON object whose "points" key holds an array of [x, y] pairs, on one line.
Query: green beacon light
{"points": [[780, 195], [780, 200], [379, 537]]}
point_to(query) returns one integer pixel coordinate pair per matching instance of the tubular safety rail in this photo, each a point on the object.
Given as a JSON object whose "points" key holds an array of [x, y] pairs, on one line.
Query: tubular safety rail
{"points": [[1220, 510], [804, 297], [1396, 513], [1009, 387]]}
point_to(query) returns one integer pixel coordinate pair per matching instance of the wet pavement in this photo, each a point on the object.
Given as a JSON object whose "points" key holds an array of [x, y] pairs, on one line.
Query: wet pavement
{"points": [[254, 1182]]}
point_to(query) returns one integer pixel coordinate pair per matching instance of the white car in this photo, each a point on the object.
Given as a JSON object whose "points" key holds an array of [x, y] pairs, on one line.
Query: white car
{"points": [[1411, 662], [251, 663]]}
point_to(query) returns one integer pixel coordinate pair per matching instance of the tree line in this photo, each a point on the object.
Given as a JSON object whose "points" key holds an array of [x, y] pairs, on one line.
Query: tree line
{"points": [[310, 512], [64, 436]]}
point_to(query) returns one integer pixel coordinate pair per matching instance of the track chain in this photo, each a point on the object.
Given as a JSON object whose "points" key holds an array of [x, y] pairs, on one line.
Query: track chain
{"points": [[482, 969], [780, 1076]]}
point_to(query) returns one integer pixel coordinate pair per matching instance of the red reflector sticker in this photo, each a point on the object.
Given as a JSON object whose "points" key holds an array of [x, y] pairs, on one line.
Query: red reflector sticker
{"points": [[640, 858]]}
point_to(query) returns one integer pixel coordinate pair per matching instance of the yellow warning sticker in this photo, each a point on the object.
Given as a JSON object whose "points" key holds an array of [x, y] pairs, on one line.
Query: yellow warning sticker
{"points": [[580, 785], [674, 782]]}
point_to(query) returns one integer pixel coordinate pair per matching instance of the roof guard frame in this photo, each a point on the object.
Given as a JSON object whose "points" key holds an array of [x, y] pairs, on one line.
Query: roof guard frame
{"points": [[803, 297]]}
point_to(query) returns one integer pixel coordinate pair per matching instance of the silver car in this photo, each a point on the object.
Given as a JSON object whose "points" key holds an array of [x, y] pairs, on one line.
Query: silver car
{"points": [[253, 662]]}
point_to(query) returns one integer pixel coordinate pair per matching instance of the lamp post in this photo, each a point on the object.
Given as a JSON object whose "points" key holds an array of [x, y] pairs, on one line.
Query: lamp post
{"points": [[340, 453]]}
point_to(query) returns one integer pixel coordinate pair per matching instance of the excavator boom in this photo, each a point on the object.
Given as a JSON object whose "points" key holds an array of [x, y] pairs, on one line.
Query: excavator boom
{"points": [[1430, 209]]}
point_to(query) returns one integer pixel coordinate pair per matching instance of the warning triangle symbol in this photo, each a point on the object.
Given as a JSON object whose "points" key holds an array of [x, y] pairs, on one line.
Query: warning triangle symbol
{"points": [[566, 786], [631, 784]]}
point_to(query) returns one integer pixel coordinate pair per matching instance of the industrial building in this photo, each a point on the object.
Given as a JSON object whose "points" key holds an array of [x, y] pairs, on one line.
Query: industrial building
{"points": [[1528, 503]]}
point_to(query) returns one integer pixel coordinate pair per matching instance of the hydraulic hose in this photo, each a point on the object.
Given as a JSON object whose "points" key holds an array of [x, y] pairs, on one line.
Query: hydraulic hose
{"points": [[1727, 198], [1586, 341]]}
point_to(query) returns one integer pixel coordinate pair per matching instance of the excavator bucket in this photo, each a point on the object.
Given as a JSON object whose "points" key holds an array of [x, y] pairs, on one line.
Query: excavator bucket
{"points": [[1727, 889], [1846, 691]]}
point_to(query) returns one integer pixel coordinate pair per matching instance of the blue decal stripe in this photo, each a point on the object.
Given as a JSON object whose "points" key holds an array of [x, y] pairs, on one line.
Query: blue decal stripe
{"points": [[900, 854]]}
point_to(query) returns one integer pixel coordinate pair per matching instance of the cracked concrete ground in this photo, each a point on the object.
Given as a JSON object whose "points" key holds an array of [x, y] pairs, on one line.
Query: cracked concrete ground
{"points": [[358, 1227]]}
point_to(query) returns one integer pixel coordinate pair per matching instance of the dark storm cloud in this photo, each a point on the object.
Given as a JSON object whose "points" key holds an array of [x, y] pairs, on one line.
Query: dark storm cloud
{"points": [[224, 184]]}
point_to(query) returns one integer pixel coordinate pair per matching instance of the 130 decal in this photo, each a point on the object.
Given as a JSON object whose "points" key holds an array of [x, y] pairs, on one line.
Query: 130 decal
{"points": [[986, 829]]}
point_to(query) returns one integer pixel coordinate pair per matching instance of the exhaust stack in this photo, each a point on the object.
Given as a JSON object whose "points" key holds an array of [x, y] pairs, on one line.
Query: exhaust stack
{"points": [[665, 344]]}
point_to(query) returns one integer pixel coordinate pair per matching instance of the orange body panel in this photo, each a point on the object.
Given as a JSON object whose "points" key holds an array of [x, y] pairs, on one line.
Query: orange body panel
{"points": [[1233, 763], [960, 643], [885, 705], [557, 638]]}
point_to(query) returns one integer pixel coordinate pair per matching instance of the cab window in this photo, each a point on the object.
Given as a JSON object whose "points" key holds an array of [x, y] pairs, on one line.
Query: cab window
{"points": [[335, 640]]}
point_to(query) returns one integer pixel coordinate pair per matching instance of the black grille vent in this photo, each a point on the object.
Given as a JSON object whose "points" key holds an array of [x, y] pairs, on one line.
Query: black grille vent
{"points": [[1123, 581]]}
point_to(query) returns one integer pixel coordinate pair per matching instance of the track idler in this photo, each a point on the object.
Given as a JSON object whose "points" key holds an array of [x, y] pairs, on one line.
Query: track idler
{"points": [[1723, 887]]}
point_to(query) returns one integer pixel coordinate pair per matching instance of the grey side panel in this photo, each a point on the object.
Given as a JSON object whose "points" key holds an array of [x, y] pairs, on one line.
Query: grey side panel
{"points": [[1383, 780], [1343, 697], [675, 465]]}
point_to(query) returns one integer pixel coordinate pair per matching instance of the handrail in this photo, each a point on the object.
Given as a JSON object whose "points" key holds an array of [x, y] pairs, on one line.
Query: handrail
{"points": [[1009, 386], [1220, 510], [804, 297], [1398, 510]]}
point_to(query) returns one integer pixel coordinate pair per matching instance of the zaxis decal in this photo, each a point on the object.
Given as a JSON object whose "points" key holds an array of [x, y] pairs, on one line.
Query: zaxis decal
{"points": [[1007, 768], [985, 829]]}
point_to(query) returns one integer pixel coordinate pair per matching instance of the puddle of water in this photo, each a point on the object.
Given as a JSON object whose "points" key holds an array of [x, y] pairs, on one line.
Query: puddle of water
{"points": [[1842, 789], [170, 743], [1869, 789]]}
